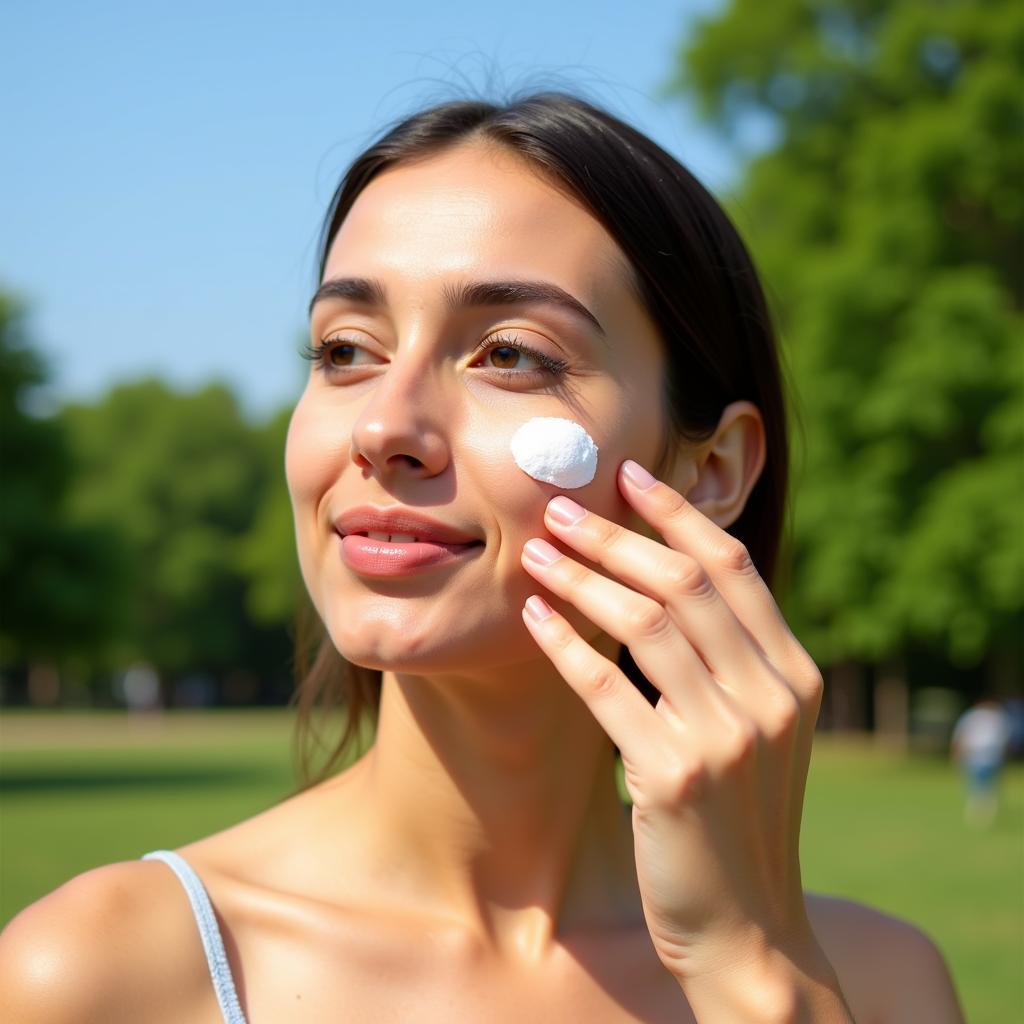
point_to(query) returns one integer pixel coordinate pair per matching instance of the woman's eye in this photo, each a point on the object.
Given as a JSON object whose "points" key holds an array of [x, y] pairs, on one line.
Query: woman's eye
{"points": [[509, 357], [334, 354], [506, 355], [342, 353]]}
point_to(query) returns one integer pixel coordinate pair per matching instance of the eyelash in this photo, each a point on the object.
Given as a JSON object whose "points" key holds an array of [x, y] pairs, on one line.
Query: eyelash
{"points": [[549, 366]]}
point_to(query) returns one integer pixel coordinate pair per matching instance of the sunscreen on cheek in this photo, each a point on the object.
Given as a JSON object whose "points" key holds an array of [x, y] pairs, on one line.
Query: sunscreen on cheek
{"points": [[555, 451]]}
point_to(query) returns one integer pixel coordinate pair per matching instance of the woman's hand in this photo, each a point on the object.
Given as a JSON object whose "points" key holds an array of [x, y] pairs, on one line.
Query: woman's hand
{"points": [[716, 771]]}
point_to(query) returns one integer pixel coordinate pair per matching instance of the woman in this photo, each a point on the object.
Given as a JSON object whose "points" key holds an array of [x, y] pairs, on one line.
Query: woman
{"points": [[483, 266]]}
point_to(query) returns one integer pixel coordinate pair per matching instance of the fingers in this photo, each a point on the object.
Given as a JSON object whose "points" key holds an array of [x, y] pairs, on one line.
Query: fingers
{"points": [[662, 652], [695, 614], [619, 707], [675, 581], [729, 566]]}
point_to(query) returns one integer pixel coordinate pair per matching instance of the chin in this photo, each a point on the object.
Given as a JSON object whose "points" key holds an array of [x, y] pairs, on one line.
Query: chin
{"points": [[391, 639]]}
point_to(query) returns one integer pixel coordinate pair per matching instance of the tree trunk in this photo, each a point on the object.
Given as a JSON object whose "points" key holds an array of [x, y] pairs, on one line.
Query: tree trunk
{"points": [[43, 684], [1005, 673], [892, 706], [847, 705]]}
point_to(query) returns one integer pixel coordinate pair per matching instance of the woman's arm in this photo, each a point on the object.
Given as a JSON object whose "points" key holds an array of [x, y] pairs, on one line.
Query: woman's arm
{"points": [[776, 989], [890, 971], [715, 771]]}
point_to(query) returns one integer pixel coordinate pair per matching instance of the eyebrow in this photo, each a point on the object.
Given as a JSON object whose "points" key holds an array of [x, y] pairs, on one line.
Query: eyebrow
{"points": [[461, 296]]}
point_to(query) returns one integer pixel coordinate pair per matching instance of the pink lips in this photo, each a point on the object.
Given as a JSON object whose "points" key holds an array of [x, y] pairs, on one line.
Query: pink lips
{"points": [[397, 558], [436, 543]]}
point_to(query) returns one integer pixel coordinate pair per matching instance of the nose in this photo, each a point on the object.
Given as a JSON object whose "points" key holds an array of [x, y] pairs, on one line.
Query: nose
{"points": [[402, 421]]}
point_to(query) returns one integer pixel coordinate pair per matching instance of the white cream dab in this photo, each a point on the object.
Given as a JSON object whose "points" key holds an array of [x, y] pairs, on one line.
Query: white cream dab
{"points": [[555, 451]]}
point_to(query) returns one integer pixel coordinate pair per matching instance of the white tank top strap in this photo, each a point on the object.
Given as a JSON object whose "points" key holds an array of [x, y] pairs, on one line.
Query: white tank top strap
{"points": [[209, 932]]}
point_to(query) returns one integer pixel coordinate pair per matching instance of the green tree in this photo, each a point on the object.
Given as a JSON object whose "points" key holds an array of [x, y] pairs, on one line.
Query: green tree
{"points": [[267, 554], [887, 216], [181, 477], [58, 580]]}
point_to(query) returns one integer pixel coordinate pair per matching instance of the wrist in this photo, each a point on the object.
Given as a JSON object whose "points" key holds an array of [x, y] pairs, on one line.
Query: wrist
{"points": [[771, 985]]}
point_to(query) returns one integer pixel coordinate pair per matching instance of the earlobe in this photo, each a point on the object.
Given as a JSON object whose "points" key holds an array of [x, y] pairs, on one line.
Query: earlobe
{"points": [[729, 464]]}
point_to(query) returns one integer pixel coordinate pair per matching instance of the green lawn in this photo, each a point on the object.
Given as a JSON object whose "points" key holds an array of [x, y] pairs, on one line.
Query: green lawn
{"points": [[86, 789]]}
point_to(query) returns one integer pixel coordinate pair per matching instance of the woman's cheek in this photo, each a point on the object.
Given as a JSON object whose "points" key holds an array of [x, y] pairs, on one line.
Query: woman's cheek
{"points": [[517, 498], [314, 453], [298, 460], [315, 450]]}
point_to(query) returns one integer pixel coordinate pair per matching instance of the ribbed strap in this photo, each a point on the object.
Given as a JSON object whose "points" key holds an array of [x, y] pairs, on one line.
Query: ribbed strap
{"points": [[220, 969]]}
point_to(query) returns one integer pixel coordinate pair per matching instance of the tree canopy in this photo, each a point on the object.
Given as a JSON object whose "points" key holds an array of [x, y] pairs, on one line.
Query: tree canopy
{"points": [[59, 580], [182, 478], [886, 216]]}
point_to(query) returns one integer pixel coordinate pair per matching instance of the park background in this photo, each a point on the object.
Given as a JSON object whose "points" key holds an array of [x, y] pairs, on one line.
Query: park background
{"points": [[165, 177]]}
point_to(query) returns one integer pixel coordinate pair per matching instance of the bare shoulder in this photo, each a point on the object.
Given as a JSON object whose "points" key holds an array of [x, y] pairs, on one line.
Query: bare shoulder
{"points": [[890, 969], [99, 948]]}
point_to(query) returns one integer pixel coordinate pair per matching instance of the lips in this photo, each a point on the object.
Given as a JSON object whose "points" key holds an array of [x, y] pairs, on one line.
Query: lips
{"points": [[397, 542], [398, 525]]}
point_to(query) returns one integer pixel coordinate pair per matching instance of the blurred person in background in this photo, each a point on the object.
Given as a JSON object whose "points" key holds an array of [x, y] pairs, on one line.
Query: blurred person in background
{"points": [[980, 742]]}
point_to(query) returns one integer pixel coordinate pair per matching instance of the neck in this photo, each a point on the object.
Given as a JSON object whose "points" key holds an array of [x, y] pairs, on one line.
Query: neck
{"points": [[494, 799]]}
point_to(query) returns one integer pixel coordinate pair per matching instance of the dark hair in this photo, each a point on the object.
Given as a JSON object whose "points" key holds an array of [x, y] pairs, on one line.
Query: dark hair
{"points": [[691, 272]]}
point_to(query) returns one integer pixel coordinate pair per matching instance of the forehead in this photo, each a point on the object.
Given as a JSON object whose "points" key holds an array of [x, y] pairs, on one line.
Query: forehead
{"points": [[475, 208]]}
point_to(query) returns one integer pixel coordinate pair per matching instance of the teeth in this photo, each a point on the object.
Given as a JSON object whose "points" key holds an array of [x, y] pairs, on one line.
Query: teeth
{"points": [[402, 537], [391, 536]]}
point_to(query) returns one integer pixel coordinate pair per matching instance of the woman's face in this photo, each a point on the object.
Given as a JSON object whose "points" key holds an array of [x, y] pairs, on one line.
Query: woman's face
{"points": [[411, 412]]}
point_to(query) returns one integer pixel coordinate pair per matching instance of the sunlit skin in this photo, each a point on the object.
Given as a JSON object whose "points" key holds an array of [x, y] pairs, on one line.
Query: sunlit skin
{"points": [[490, 784], [486, 764]]}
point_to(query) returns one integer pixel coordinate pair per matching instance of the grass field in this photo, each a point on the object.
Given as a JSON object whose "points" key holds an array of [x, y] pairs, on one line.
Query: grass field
{"points": [[85, 789]]}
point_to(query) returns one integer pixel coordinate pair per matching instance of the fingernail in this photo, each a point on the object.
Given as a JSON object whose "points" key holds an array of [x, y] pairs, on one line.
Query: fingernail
{"points": [[541, 551], [565, 511], [637, 475], [537, 608]]}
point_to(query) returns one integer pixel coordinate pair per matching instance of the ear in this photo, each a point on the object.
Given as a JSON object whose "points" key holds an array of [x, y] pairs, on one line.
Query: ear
{"points": [[718, 475]]}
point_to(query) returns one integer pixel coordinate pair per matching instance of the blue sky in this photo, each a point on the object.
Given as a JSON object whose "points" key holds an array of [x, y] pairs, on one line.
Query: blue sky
{"points": [[167, 168]]}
